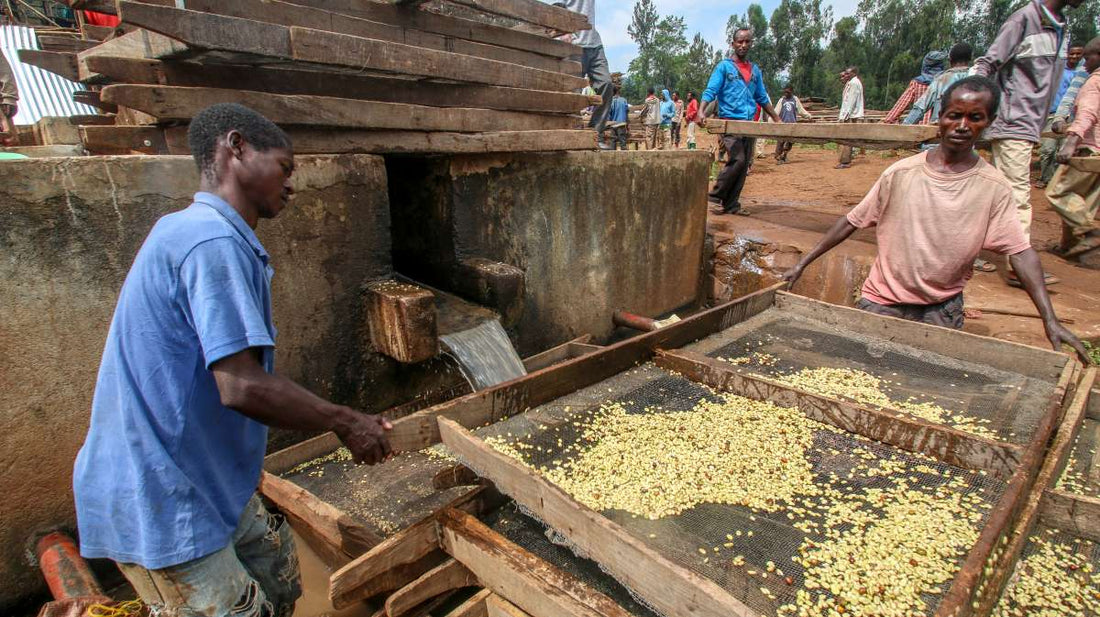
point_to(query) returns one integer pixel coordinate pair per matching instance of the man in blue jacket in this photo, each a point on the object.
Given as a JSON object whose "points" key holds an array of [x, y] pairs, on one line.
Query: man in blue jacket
{"points": [[668, 110], [736, 88]]}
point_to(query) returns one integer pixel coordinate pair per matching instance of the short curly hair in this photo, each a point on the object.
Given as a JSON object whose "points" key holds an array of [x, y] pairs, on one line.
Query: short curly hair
{"points": [[974, 83], [212, 123]]}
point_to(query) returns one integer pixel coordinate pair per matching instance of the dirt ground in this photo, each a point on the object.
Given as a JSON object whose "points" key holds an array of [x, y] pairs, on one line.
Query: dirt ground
{"points": [[808, 194]]}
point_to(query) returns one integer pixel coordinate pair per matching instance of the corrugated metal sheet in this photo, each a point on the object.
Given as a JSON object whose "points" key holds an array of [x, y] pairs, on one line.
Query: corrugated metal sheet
{"points": [[41, 93]]}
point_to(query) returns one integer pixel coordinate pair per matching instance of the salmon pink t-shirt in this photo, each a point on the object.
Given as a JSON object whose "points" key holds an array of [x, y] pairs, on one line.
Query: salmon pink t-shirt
{"points": [[931, 226]]}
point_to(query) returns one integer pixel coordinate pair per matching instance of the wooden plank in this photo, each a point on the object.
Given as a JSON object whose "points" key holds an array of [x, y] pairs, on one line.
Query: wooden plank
{"points": [[56, 131], [458, 28], [1090, 164], [670, 588], [92, 99], [141, 44], [403, 557], [419, 430], [98, 33], [1030, 514], [337, 528], [56, 62], [537, 587], [123, 139], [300, 453], [246, 36], [182, 103], [976, 575], [499, 607], [326, 141], [472, 607], [447, 576], [289, 80], [1076, 514], [1003, 355], [91, 119], [554, 355], [1094, 405], [209, 31], [533, 12], [323, 47], [66, 44], [830, 132], [890, 426], [288, 14]]}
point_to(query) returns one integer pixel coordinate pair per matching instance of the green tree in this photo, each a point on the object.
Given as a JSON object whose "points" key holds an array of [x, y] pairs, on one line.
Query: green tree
{"points": [[642, 30], [668, 52], [698, 65]]}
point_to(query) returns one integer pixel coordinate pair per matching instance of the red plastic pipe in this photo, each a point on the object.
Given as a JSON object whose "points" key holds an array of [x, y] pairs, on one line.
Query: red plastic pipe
{"points": [[66, 572]]}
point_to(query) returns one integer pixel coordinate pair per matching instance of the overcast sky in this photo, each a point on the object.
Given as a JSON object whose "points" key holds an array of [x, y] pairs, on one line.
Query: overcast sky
{"points": [[706, 16]]}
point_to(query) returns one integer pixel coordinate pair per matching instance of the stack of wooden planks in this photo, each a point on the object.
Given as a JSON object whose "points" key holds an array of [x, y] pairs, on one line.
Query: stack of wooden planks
{"points": [[451, 76]]}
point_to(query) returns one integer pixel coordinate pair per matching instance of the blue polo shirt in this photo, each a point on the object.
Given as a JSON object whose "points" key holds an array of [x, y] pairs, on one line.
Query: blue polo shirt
{"points": [[166, 469], [737, 99]]}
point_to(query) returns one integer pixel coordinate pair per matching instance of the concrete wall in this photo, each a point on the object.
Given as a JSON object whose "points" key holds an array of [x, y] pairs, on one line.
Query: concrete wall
{"points": [[69, 229], [593, 231]]}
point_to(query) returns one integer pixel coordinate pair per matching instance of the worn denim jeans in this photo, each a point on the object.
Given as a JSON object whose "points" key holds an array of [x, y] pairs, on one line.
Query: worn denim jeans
{"points": [[255, 576]]}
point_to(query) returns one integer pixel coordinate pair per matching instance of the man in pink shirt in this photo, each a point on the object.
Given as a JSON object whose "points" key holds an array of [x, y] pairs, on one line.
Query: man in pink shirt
{"points": [[1075, 194], [933, 213]]}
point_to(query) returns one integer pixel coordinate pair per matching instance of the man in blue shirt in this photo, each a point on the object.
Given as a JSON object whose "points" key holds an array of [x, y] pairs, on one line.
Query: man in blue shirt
{"points": [[618, 120], [736, 88], [165, 482]]}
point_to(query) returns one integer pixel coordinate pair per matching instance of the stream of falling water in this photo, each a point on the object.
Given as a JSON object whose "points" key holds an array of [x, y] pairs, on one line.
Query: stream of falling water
{"points": [[485, 354]]}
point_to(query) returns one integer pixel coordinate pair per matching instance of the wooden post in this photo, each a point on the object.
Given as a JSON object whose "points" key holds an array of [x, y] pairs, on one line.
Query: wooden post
{"points": [[402, 321]]}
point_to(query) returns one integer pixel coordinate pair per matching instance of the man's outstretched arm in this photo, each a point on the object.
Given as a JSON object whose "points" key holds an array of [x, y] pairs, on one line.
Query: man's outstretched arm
{"points": [[840, 231], [274, 400], [1030, 271]]}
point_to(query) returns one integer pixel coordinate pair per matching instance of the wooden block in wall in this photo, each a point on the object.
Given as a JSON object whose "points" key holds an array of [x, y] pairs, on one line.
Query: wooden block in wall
{"points": [[402, 321]]}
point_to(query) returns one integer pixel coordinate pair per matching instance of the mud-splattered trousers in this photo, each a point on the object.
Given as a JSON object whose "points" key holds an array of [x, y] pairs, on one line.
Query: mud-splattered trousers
{"points": [[255, 576]]}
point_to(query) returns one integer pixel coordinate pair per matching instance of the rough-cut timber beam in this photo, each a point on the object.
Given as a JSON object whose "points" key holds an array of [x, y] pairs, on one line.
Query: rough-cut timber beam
{"points": [[182, 103], [141, 44], [497, 285], [537, 587], [672, 589], [255, 38], [849, 133], [533, 12], [1076, 514], [327, 141], [401, 320], [286, 80], [403, 557], [420, 430], [893, 427], [123, 139], [474, 606], [327, 522], [56, 62], [290, 14], [64, 43], [447, 576]]}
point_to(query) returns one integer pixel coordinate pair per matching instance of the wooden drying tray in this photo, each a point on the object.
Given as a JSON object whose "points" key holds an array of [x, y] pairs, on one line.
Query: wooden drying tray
{"points": [[1059, 509], [621, 555], [220, 38], [862, 134]]}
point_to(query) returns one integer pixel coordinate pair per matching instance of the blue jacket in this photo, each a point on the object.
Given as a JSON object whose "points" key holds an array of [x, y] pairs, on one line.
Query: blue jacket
{"points": [[668, 108], [736, 99], [620, 109]]}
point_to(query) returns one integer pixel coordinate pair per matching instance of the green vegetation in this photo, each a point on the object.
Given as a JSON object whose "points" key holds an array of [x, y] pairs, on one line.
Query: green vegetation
{"points": [[801, 43]]}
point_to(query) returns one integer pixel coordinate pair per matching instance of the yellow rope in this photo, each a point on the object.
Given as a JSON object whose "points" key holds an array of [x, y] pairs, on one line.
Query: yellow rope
{"points": [[122, 609]]}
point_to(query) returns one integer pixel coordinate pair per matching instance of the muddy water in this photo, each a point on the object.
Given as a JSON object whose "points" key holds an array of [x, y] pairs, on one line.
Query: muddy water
{"points": [[314, 601]]}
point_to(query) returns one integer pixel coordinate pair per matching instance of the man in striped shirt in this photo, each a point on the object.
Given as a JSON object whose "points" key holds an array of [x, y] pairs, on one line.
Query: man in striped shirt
{"points": [[930, 69]]}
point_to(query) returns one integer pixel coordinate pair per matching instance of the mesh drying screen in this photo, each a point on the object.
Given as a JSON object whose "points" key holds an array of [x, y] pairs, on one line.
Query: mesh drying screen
{"points": [[1082, 474], [1057, 574], [386, 497], [729, 533], [1009, 404]]}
